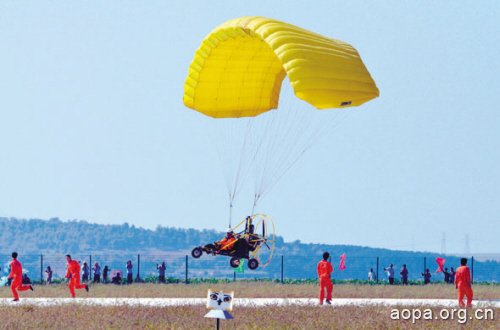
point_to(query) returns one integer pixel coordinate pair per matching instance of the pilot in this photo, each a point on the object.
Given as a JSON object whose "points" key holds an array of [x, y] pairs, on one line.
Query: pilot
{"points": [[227, 242]]}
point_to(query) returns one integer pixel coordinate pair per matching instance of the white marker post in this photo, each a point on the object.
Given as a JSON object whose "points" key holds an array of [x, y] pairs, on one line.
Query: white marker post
{"points": [[220, 304]]}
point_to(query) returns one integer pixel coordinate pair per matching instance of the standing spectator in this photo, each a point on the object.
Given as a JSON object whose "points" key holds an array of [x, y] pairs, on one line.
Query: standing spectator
{"points": [[161, 272], [390, 273], [49, 275], [463, 284], [446, 275], [85, 272], [427, 276], [105, 272], [325, 270], [130, 269], [404, 275], [371, 276], [452, 275], [97, 273]]}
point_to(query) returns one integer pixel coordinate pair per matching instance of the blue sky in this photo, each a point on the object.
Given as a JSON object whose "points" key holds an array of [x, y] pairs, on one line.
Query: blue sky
{"points": [[92, 124]]}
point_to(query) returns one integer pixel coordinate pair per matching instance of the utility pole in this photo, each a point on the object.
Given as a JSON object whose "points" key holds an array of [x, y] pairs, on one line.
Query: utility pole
{"points": [[443, 243], [467, 246]]}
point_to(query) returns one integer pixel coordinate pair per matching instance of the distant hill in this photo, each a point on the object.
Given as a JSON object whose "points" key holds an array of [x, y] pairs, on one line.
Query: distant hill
{"points": [[56, 237], [486, 256]]}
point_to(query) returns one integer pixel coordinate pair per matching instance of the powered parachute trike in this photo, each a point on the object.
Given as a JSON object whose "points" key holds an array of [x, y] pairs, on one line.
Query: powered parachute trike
{"points": [[254, 239]]}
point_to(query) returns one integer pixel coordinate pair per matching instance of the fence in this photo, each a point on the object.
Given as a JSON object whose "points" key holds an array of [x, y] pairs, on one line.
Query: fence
{"points": [[183, 268]]}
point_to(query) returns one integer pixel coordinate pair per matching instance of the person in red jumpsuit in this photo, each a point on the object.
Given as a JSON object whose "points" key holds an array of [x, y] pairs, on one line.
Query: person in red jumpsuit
{"points": [[463, 284], [227, 242], [73, 273], [325, 270], [16, 274]]}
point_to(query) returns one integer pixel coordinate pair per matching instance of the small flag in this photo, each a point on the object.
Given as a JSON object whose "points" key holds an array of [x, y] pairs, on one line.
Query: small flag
{"points": [[241, 268], [440, 262], [342, 262]]}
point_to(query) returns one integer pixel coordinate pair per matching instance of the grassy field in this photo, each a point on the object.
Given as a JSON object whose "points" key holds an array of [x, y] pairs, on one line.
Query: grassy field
{"points": [[191, 317], [293, 317], [260, 290]]}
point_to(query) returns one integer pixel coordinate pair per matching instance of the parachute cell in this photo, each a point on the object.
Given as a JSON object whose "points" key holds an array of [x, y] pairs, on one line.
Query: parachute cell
{"points": [[239, 68]]}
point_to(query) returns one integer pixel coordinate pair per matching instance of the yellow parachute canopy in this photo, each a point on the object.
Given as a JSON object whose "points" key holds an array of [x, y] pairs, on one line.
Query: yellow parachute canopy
{"points": [[239, 67]]}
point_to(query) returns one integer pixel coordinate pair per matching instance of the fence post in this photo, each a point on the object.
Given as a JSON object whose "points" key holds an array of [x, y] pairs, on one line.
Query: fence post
{"points": [[234, 278], [472, 270], [425, 263], [187, 281], [138, 279], [41, 268], [282, 266], [90, 267], [376, 279]]}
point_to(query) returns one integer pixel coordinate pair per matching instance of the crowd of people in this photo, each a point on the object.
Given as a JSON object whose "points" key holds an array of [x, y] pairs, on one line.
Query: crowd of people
{"points": [[448, 275], [111, 276], [105, 275], [97, 271]]}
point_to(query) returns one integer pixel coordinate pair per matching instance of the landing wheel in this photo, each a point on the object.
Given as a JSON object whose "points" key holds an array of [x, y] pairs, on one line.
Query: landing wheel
{"points": [[234, 262], [253, 264], [197, 252]]}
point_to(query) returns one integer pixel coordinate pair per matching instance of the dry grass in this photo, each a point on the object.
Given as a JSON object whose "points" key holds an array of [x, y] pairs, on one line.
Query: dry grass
{"points": [[191, 317], [292, 317], [260, 290]]}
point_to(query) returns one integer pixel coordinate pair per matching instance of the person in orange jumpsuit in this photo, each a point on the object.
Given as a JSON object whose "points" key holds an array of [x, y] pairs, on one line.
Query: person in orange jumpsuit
{"points": [[73, 273], [16, 274], [463, 284], [325, 270], [227, 242]]}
